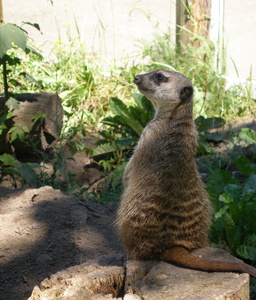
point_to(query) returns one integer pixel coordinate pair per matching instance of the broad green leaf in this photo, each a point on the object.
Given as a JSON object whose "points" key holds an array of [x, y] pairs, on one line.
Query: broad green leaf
{"points": [[35, 25], [235, 211], [13, 171], [206, 124], [217, 231], [245, 166], [248, 248], [107, 135], [248, 205], [250, 185], [2, 120], [120, 109], [216, 186], [31, 79], [38, 116], [233, 190], [17, 132], [133, 124], [2, 127], [117, 174], [248, 252], [248, 135], [203, 146], [12, 103], [226, 198], [112, 121], [138, 99], [11, 61], [106, 164], [214, 136], [104, 149], [142, 115], [221, 212], [145, 105], [230, 228], [11, 34], [9, 160], [27, 170]]}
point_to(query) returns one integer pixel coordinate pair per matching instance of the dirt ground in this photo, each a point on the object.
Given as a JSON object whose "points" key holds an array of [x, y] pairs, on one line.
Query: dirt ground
{"points": [[43, 231]]}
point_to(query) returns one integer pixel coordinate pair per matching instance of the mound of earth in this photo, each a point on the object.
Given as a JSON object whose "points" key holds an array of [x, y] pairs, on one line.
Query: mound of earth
{"points": [[43, 231]]}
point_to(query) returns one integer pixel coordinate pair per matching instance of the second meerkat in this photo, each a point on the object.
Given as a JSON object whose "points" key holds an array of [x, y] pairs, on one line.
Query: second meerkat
{"points": [[165, 212]]}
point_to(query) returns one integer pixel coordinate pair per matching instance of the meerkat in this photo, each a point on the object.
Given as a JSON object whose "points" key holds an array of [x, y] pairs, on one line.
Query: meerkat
{"points": [[165, 212]]}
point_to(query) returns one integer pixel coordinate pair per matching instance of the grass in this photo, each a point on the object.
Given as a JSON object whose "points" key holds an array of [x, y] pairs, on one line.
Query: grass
{"points": [[85, 84], [211, 97]]}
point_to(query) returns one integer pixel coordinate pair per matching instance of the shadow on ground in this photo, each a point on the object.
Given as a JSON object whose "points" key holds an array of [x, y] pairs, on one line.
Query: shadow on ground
{"points": [[43, 231]]}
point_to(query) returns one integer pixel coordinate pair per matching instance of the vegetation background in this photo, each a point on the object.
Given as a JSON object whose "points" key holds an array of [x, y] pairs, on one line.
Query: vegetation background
{"points": [[101, 104]]}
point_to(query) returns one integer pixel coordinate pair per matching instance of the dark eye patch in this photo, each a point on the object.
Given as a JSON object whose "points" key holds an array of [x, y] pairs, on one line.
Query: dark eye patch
{"points": [[160, 77]]}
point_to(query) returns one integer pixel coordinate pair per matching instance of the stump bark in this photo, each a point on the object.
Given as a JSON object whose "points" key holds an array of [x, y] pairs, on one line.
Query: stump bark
{"points": [[112, 277], [46, 129]]}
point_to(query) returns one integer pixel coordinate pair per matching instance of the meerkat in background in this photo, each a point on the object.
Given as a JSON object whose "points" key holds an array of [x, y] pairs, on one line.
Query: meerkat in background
{"points": [[165, 212]]}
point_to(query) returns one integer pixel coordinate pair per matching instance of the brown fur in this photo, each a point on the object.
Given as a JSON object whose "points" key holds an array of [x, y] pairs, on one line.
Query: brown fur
{"points": [[165, 212]]}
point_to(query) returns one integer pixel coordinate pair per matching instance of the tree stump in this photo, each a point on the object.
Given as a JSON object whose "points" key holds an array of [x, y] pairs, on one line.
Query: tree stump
{"points": [[46, 129], [111, 277]]}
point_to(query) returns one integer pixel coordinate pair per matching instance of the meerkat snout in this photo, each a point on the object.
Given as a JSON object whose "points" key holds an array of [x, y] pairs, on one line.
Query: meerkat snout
{"points": [[136, 79], [166, 90]]}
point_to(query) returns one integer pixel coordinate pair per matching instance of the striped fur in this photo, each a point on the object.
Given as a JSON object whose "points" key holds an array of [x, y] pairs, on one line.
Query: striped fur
{"points": [[165, 212], [164, 203]]}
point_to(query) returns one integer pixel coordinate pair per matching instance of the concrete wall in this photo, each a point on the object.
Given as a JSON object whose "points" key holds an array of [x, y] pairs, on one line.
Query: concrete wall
{"points": [[240, 36], [111, 27]]}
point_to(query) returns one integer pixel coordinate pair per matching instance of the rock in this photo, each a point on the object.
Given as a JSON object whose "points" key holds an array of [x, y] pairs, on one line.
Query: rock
{"points": [[110, 277], [44, 259]]}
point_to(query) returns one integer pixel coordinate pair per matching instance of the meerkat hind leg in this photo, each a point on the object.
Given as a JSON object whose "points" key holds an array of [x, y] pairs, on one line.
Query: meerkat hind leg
{"points": [[182, 257]]}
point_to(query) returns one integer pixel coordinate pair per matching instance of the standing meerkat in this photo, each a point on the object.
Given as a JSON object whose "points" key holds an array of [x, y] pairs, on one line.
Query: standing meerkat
{"points": [[165, 212]]}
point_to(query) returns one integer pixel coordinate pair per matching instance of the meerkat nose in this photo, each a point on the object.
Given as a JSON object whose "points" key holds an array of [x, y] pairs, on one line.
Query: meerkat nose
{"points": [[136, 79]]}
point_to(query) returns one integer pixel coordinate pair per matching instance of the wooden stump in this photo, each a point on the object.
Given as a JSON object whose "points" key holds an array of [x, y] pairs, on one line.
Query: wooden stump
{"points": [[111, 277], [45, 130]]}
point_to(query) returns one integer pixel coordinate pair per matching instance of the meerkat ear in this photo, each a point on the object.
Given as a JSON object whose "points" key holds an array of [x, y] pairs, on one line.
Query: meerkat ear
{"points": [[186, 93]]}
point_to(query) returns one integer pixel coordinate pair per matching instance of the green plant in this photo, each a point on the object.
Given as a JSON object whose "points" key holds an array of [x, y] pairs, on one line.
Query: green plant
{"points": [[234, 203], [204, 125], [248, 135], [198, 63], [11, 36], [26, 171], [126, 124]]}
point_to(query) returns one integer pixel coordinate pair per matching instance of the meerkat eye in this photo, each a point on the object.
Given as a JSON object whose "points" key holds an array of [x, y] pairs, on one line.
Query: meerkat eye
{"points": [[159, 77]]}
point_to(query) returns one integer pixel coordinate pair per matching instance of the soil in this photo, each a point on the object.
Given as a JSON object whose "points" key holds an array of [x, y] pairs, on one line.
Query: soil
{"points": [[43, 231]]}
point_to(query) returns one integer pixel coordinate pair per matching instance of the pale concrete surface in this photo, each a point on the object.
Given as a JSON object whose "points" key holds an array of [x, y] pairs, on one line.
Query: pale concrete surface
{"points": [[240, 36], [111, 27]]}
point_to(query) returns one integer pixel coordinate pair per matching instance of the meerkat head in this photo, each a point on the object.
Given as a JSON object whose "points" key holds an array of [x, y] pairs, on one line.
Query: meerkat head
{"points": [[165, 89]]}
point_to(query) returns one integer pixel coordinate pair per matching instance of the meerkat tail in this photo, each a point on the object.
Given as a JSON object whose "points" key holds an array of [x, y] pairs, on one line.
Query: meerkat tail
{"points": [[182, 257]]}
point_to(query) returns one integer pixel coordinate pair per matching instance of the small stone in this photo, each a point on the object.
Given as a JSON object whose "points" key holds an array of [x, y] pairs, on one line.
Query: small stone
{"points": [[44, 259]]}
